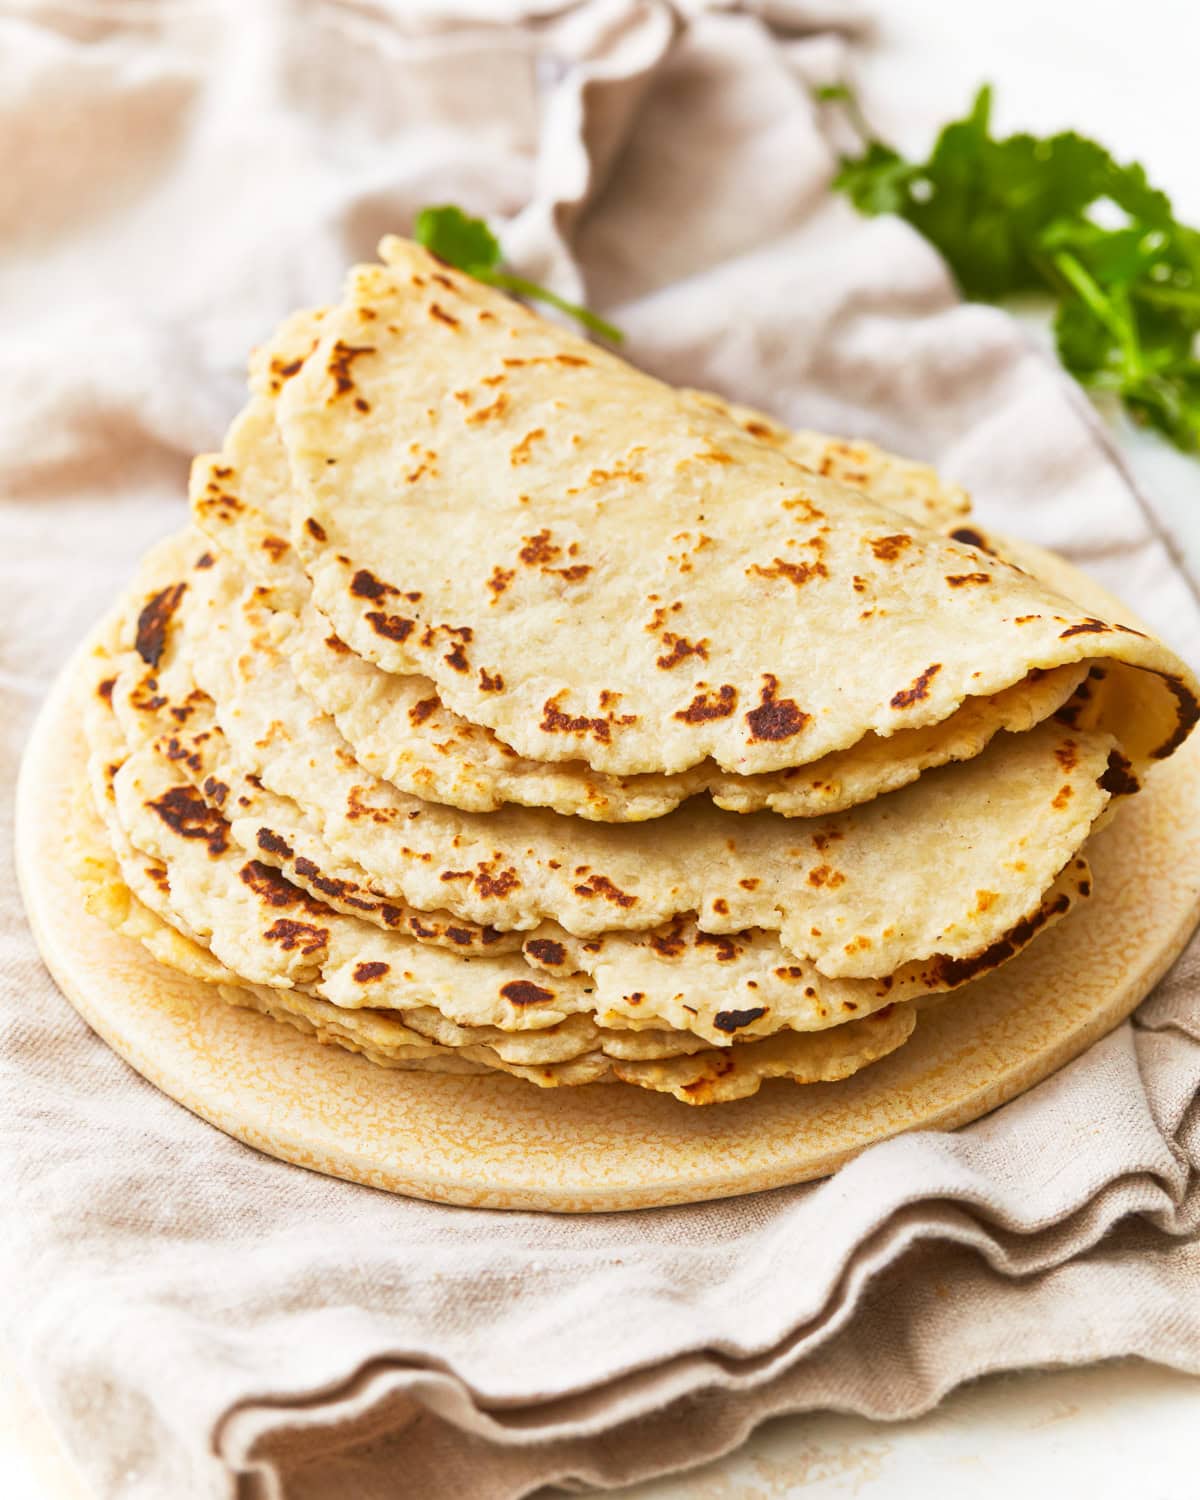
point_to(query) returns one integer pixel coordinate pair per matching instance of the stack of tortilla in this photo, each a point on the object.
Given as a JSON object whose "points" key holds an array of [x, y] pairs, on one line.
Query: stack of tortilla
{"points": [[505, 710]]}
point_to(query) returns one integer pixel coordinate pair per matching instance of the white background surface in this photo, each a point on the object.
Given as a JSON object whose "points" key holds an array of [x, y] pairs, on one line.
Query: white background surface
{"points": [[1125, 73]]}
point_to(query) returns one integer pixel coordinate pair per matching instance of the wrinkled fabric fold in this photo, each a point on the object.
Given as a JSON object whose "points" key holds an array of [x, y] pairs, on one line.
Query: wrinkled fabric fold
{"points": [[200, 1320]]}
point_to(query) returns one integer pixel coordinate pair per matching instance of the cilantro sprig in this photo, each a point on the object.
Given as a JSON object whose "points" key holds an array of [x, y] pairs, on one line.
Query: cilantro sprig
{"points": [[1058, 214], [469, 245]]}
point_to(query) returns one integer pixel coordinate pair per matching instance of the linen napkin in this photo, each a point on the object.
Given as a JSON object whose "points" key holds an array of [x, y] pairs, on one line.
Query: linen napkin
{"points": [[202, 1321]]}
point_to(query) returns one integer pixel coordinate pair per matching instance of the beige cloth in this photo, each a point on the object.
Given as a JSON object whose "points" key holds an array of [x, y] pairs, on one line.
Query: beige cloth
{"points": [[202, 1321]]}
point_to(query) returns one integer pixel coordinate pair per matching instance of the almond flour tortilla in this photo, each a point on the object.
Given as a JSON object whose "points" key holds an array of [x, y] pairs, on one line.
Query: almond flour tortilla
{"points": [[481, 498], [679, 973], [399, 728], [717, 987]]}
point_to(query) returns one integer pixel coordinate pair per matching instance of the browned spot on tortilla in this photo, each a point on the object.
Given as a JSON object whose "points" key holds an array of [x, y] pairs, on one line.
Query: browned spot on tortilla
{"points": [[821, 875], [456, 658], [906, 697], [276, 889], [572, 574], [522, 452], [185, 811], [391, 627], [1089, 626], [154, 621], [290, 934], [679, 648], [105, 689], [216, 791], [554, 721], [205, 560], [500, 580], [1067, 755], [957, 580], [271, 843], [525, 992], [985, 900], [775, 718], [668, 944], [419, 712], [727, 949], [971, 537], [315, 529], [486, 413], [539, 550], [546, 951], [704, 706], [730, 1021], [375, 969], [1189, 713], [488, 884], [341, 358], [275, 546], [1062, 796], [889, 548], [440, 313], [797, 573], [750, 883], [721, 906], [790, 971], [601, 885], [489, 683], [757, 429], [1117, 778], [365, 585]]}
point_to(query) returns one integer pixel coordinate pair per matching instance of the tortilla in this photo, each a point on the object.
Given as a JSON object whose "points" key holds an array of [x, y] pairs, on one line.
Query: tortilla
{"points": [[596, 567]]}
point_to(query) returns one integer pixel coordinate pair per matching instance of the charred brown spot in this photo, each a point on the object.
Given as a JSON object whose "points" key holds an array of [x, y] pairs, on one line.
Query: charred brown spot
{"points": [[775, 718], [216, 791], [185, 811], [315, 529], [791, 971], [750, 883], [1089, 626], [1062, 796], [105, 689], [365, 585], [365, 972], [522, 452], [573, 574], [546, 951], [496, 885], [1067, 755], [704, 706], [274, 546], [539, 550], [205, 560], [889, 548], [668, 944], [500, 580], [721, 906], [391, 627], [958, 580], [679, 648], [154, 621], [290, 934], [176, 750], [601, 885], [971, 537], [826, 875], [906, 697], [525, 992], [271, 843], [337, 646], [730, 1021], [554, 721], [275, 889], [727, 949], [796, 573], [489, 683], [487, 413], [341, 358], [440, 313], [1189, 712], [419, 712], [1117, 778]]}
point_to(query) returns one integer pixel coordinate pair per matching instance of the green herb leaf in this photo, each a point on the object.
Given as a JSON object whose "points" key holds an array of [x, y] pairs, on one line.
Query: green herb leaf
{"points": [[469, 245], [1059, 214]]}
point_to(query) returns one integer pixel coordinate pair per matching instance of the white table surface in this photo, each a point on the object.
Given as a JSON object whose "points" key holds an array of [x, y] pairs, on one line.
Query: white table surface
{"points": [[1126, 74]]}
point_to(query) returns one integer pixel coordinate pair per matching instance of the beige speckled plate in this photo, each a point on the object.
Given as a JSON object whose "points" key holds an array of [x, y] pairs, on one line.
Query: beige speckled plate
{"points": [[500, 1143]]}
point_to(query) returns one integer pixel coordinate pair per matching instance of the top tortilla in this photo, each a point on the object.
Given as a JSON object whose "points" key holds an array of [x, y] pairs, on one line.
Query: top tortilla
{"points": [[598, 567]]}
